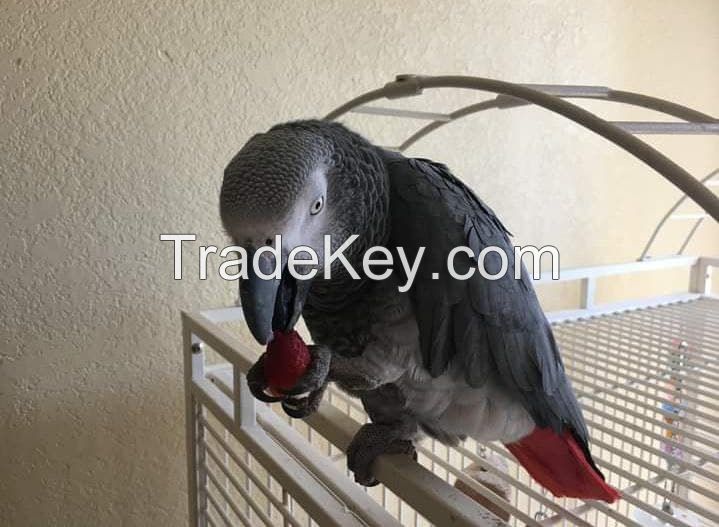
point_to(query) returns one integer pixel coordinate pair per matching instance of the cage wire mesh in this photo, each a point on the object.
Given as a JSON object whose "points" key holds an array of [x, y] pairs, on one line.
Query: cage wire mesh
{"points": [[647, 379], [648, 382], [237, 488]]}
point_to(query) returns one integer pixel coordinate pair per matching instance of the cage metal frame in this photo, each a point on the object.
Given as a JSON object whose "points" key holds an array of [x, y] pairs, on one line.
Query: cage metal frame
{"points": [[323, 492]]}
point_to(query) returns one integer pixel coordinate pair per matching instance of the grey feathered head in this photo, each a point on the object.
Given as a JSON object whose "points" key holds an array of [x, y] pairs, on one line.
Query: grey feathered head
{"points": [[302, 180]]}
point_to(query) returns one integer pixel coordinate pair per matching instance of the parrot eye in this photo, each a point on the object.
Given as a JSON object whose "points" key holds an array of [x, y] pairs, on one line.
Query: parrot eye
{"points": [[317, 205]]}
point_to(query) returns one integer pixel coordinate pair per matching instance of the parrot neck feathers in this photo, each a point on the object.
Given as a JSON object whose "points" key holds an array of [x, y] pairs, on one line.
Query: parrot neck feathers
{"points": [[358, 197]]}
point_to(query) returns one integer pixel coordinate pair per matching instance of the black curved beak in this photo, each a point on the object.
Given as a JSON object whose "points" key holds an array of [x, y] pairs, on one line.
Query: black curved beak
{"points": [[271, 305]]}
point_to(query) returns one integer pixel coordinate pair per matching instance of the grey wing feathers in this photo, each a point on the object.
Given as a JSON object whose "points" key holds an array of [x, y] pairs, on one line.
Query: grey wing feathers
{"points": [[486, 327]]}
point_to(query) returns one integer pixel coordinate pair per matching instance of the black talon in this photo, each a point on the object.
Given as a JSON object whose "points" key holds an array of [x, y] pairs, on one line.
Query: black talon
{"points": [[295, 411], [257, 384], [302, 407]]}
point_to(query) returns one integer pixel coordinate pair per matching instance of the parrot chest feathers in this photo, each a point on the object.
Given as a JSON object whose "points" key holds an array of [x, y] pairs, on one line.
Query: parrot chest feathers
{"points": [[448, 409], [387, 342]]}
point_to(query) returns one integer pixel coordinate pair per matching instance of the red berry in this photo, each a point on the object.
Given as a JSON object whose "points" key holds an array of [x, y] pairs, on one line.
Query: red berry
{"points": [[286, 360]]}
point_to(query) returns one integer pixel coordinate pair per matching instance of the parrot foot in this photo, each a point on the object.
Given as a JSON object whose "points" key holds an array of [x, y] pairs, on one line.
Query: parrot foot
{"points": [[257, 383], [303, 398], [301, 407], [372, 441]]}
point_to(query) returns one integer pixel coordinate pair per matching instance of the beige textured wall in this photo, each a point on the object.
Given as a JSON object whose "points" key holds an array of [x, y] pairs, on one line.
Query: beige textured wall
{"points": [[117, 118]]}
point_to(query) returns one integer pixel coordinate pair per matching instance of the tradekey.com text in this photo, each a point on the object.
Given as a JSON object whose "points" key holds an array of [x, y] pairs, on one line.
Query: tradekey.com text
{"points": [[268, 262]]}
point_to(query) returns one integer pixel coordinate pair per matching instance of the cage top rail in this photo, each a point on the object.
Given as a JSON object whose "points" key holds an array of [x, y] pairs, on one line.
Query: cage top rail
{"points": [[552, 98]]}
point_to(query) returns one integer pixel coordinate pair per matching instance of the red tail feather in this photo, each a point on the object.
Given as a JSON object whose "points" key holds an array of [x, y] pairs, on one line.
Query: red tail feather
{"points": [[558, 463]]}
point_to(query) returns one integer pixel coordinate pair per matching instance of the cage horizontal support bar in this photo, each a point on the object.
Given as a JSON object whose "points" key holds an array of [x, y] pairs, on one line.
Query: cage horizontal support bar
{"points": [[250, 474], [219, 315], [667, 128], [672, 497], [600, 397], [680, 329], [633, 342], [503, 102], [580, 342], [219, 510], [228, 499], [570, 90], [239, 487], [639, 387], [705, 319], [645, 328], [667, 474], [643, 364], [584, 508], [623, 97], [703, 456], [600, 271], [668, 330], [582, 346], [614, 308], [399, 112], [342, 487]]}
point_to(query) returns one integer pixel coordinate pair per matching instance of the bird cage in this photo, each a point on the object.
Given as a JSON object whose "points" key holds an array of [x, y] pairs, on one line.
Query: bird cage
{"points": [[646, 373]]}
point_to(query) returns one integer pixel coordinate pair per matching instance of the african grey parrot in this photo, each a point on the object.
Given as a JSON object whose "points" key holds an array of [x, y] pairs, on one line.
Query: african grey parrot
{"points": [[448, 358]]}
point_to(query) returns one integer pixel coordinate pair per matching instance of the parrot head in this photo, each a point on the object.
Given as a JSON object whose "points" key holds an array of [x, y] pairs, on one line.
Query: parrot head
{"points": [[300, 181]]}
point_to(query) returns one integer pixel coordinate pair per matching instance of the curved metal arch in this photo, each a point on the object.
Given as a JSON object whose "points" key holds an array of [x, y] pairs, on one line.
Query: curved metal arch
{"points": [[623, 97], [672, 210], [407, 85]]}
